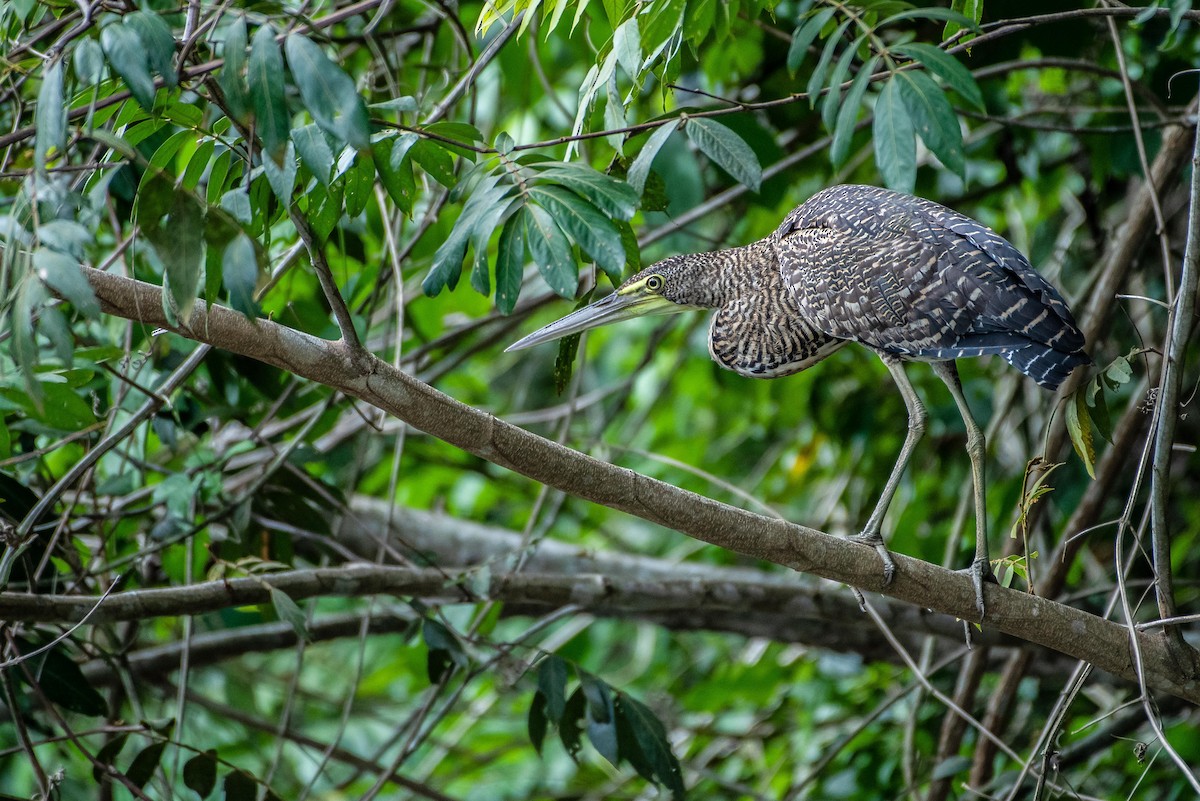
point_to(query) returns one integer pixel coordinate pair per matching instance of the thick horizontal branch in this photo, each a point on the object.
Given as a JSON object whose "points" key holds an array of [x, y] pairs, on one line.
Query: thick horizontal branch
{"points": [[1070, 631], [747, 601], [744, 601], [748, 605]]}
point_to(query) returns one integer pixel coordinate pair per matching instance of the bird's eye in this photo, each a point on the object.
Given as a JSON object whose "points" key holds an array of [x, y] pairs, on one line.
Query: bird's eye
{"points": [[654, 283]]}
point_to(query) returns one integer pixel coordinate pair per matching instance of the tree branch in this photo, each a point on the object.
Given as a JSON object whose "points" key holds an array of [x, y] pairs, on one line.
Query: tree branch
{"points": [[1069, 631], [741, 600]]}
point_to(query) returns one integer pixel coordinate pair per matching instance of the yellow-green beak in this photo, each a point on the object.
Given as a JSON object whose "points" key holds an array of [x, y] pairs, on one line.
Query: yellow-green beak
{"points": [[617, 306]]}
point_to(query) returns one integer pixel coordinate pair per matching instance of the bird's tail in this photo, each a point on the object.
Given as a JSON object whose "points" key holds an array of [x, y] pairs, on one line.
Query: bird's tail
{"points": [[1045, 365]]}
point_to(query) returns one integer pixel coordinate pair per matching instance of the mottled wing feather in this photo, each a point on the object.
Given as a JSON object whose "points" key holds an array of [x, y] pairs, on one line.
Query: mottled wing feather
{"points": [[909, 277]]}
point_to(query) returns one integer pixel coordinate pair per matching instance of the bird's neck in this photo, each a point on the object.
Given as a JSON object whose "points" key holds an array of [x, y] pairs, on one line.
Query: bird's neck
{"points": [[737, 273]]}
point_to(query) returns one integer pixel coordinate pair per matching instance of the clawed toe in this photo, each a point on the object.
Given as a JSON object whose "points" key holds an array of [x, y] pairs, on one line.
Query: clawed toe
{"points": [[876, 542], [980, 571]]}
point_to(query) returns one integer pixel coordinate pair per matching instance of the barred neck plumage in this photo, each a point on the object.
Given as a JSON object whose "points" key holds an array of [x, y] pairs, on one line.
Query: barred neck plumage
{"points": [[720, 278]]}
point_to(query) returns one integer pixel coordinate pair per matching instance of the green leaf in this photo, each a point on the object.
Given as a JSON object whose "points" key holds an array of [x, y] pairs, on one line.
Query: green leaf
{"points": [[485, 226], [198, 164], [66, 236], [627, 42], [325, 208], [946, 67], [816, 81], [537, 721], [395, 169], [804, 36], [1119, 371], [585, 224], [328, 93], [290, 612], [53, 325], [510, 262], [612, 196], [163, 159], [232, 77], [1098, 409], [240, 786], [87, 59], [552, 685], [50, 119], [1080, 430], [633, 257], [217, 174], [31, 295], [639, 170], [933, 118], [404, 103], [128, 58], [601, 716], [281, 172], [200, 773], [179, 243], [614, 115], [359, 180], [570, 726], [951, 766], [728, 150], [650, 752], [444, 650], [314, 151], [107, 755], [145, 763], [65, 277], [157, 40], [847, 116], [551, 252], [972, 10], [237, 202], [61, 680], [895, 140], [435, 160], [831, 103], [447, 261], [239, 274], [265, 80]]}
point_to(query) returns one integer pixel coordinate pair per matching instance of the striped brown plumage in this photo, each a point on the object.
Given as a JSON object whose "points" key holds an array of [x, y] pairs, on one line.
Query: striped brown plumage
{"points": [[908, 278]]}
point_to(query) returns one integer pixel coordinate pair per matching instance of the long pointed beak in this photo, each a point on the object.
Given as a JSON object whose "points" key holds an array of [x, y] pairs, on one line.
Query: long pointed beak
{"points": [[607, 310]]}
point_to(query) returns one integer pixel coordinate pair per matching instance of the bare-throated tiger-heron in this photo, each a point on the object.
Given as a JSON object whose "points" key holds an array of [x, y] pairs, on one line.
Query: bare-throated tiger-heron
{"points": [[908, 278]]}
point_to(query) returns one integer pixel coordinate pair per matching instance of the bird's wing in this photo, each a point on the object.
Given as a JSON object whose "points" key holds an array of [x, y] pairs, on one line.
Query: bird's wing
{"points": [[910, 277], [1027, 301]]}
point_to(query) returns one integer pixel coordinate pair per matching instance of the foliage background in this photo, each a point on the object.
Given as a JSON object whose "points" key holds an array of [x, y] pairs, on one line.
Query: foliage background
{"points": [[433, 179]]}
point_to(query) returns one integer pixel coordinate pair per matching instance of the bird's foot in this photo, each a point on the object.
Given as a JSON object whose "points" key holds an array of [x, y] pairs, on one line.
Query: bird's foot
{"points": [[980, 571], [875, 540]]}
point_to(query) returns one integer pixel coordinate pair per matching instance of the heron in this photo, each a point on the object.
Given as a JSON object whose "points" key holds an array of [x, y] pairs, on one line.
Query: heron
{"points": [[907, 278]]}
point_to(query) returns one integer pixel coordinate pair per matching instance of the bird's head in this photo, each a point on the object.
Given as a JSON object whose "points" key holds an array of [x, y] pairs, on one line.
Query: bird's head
{"points": [[669, 286]]}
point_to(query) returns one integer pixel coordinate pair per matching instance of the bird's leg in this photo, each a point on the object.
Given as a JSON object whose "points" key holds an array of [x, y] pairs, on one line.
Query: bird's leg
{"points": [[981, 567], [916, 429]]}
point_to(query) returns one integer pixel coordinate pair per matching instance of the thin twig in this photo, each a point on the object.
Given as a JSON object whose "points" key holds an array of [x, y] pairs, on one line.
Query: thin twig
{"points": [[316, 252], [1180, 328]]}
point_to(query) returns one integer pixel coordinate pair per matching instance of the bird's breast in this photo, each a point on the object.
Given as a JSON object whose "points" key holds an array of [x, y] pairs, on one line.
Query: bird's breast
{"points": [[761, 342]]}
